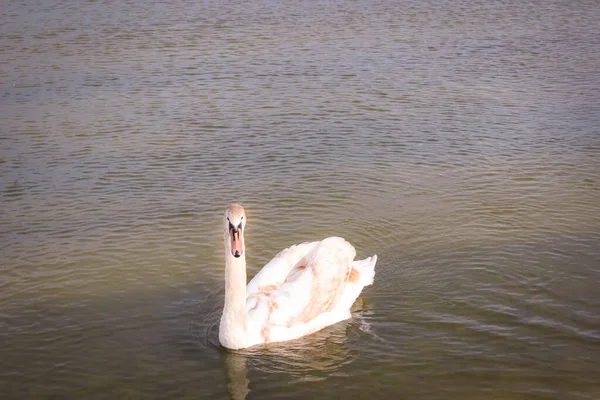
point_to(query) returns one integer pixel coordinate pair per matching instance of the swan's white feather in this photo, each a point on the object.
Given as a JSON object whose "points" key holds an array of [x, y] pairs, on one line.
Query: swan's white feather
{"points": [[276, 271], [304, 289]]}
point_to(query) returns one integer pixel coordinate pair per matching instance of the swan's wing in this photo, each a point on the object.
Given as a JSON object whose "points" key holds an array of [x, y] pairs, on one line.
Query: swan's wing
{"points": [[315, 289], [278, 269]]}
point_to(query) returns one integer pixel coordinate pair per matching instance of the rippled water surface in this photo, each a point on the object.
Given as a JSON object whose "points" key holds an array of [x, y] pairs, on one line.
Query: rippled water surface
{"points": [[457, 140]]}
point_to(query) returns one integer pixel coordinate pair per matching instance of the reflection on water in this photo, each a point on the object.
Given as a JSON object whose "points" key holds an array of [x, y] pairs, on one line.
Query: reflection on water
{"points": [[323, 352], [308, 359], [237, 381], [457, 140]]}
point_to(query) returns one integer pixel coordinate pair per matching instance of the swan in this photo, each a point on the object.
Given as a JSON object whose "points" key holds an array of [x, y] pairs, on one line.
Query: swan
{"points": [[302, 290]]}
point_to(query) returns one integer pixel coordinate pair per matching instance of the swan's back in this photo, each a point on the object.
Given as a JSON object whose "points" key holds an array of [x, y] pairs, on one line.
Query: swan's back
{"points": [[306, 288]]}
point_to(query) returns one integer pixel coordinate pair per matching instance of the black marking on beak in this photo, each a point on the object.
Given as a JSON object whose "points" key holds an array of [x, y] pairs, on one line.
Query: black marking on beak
{"points": [[233, 227], [237, 254]]}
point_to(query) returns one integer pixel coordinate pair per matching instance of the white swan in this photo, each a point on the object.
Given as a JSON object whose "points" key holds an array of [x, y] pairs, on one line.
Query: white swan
{"points": [[302, 290]]}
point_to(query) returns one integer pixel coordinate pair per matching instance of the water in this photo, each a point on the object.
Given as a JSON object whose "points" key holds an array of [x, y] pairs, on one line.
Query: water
{"points": [[456, 140]]}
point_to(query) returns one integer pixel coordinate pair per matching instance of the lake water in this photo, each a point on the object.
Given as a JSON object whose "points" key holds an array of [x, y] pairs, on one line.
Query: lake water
{"points": [[457, 140]]}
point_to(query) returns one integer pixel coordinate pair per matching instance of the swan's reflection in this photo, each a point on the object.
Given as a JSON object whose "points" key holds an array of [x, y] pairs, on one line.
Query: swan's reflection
{"points": [[237, 381], [307, 358]]}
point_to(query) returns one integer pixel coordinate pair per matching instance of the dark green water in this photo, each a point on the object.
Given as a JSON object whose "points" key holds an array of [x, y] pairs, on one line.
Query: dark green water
{"points": [[458, 140]]}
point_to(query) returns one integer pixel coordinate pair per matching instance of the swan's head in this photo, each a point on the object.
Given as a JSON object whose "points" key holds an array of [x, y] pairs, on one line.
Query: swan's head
{"points": [[235, 222]]}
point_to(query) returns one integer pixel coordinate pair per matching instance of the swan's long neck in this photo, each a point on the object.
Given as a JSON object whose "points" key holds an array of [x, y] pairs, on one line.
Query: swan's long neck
{"points": [[232, 331]]}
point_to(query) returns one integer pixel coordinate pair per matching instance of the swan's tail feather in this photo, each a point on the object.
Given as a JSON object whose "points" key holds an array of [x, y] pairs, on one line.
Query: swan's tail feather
{"points": [[366, 268], [366, 272]]}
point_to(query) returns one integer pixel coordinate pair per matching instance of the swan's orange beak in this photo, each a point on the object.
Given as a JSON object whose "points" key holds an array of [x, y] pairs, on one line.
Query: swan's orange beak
{"points": [[237, 245]]}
